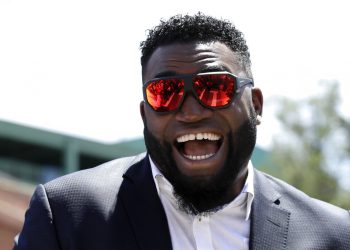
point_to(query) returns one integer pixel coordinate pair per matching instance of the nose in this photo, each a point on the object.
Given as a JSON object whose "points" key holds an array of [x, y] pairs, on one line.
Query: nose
{"points": [[192, 111]]}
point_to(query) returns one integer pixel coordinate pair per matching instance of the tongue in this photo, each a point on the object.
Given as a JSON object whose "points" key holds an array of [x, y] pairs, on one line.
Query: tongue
{"points": [[202, 147]]}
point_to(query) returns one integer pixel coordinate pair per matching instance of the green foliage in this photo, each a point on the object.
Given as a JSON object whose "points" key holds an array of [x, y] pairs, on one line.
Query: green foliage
{"points": [[312, 145]]}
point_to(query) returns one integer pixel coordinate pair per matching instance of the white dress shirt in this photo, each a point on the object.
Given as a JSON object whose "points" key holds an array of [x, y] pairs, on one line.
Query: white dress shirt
{"points": [[227, 228]]}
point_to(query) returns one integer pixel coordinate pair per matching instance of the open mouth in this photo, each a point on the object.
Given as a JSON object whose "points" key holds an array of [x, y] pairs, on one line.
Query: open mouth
{"points": [[199, 146]]}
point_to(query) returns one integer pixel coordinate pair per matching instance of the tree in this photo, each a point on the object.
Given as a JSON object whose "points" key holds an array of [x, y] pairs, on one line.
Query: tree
{"points": [[313, 145]]}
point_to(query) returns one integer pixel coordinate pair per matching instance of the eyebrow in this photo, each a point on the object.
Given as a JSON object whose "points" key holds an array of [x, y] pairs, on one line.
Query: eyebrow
{"points": [[213, 68], [165, 74], [205, 69]]}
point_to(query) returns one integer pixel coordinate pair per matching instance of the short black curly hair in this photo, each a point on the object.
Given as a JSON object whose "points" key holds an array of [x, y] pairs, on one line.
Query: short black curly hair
{"points": [[199, 27]]}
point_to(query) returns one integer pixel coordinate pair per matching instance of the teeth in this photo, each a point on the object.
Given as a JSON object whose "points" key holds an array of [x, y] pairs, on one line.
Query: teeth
{"points": [[198, 136], [198, 157]]}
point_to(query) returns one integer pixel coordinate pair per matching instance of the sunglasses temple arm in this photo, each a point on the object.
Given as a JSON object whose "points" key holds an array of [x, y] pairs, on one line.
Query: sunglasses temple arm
{"points": [[244, 81]]}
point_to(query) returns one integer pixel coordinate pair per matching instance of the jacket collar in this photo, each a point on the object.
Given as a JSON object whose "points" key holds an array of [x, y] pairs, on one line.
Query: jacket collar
{"points": [[145, 211], [269, 221]]}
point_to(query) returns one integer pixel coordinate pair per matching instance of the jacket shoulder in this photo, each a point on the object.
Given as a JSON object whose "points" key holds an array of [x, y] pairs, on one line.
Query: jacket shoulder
{"points": [[301, 203], [76, 206], [90, 185], [310, 218]]}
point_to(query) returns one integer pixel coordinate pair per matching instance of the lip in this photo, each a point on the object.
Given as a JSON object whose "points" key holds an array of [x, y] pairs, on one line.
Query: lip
{"points": [[200, 167]]}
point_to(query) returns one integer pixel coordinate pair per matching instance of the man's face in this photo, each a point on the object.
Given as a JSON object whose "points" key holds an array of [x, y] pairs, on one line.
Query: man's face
{"points": [[210, 172]]}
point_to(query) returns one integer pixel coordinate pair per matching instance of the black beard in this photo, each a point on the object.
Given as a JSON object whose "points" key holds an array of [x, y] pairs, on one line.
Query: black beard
{"points": [[205, 196]]}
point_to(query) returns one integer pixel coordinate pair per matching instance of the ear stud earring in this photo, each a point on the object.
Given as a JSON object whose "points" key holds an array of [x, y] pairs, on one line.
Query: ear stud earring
{"points": [[258, 119]]}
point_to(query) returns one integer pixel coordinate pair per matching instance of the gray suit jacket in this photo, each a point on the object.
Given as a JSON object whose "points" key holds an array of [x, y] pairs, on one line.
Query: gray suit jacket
{"points": [[116, 206]]}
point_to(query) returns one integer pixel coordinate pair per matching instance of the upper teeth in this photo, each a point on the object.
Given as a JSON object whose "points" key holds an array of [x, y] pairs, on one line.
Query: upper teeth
{"points": [[198, 136]]}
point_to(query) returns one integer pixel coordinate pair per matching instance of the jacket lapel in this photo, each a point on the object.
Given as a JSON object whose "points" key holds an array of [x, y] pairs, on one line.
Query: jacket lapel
{"points": [[269, 222], [143, 206]]}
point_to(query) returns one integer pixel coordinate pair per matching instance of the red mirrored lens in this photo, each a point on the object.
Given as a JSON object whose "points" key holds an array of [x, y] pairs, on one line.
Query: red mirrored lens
{"points": [[214, 90], [165, 95]]}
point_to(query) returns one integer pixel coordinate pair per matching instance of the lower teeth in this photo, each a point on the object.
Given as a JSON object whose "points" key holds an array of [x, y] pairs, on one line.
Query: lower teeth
{"points": [[198, 157]]}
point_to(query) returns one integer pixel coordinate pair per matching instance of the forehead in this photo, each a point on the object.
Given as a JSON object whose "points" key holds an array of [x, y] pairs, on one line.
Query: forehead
{"points": [[191, 58]]}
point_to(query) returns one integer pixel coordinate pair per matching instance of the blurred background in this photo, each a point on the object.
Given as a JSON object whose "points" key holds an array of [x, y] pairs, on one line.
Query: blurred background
{"points": [[70, 81]]}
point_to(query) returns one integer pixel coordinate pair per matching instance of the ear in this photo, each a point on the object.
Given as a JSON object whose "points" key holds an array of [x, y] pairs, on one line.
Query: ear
{"points": [[258, 100], [142, 111]]}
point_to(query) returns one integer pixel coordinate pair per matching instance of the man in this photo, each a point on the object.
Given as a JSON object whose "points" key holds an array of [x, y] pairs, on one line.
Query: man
{"points": [[196, 187]]}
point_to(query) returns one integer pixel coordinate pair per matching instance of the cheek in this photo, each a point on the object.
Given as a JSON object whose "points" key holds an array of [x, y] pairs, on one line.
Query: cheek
{"points": [[237, 114], [156, 124], [243, 106]]}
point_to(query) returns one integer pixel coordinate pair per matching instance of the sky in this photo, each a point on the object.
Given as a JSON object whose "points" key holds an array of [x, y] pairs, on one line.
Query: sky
{"points": [[73, 67]]}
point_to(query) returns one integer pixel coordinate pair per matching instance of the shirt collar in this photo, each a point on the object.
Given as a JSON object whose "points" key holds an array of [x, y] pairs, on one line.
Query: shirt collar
{"points": [[248, 187], [155, 173]]}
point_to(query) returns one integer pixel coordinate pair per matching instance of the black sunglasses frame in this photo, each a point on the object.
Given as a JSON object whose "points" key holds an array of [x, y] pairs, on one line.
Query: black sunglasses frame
{"points": [[188, 88]]}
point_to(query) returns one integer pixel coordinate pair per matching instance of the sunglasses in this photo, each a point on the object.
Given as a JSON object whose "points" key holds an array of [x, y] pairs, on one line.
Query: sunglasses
{"points": [[212, 90]]}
